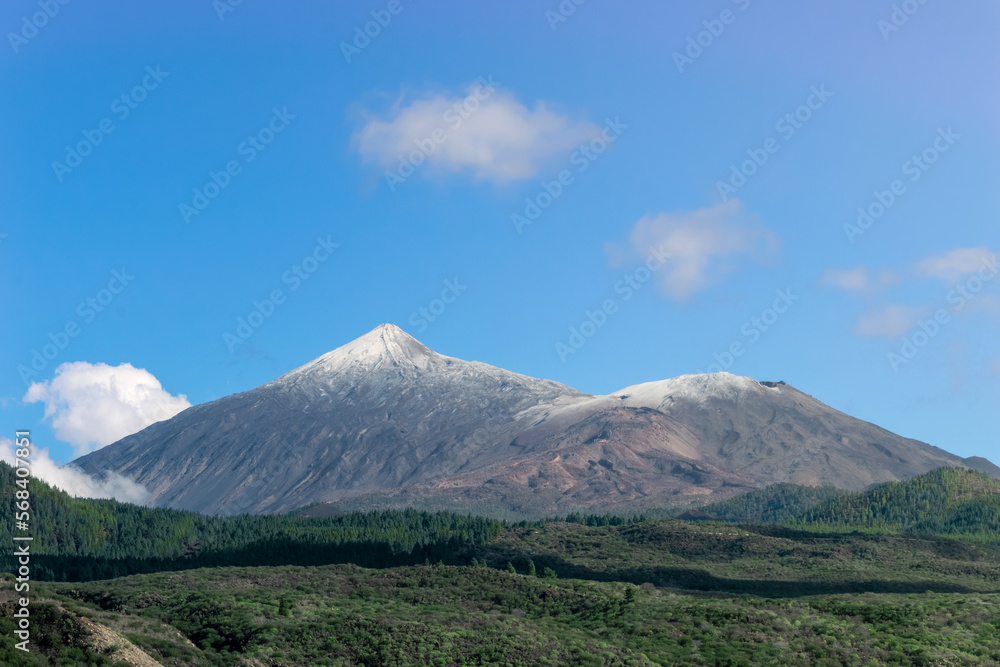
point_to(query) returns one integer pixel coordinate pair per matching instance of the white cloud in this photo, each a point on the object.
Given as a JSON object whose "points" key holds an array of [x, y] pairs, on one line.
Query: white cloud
{"points": [[74, 481], [958, 267], [854, 280], [704, 245], [487, 133], [93, 405], [891, 320], [955, 264], [858, 279]]}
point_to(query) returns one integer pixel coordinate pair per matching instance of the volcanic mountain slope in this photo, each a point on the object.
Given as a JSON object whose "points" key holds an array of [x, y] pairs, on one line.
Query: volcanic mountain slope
{"points": [[771, 430], [384, 420], [380, 412]]}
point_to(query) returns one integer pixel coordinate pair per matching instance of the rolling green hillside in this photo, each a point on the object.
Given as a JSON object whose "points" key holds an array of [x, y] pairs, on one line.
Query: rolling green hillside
{"points": [[80, 539], [451, 616], [776, 503], [412, 588], [949, 501]]}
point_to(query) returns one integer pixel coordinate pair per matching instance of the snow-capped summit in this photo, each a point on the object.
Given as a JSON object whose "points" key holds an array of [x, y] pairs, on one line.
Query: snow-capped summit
{"points": [[384, 347], [699, 389], [387, 359]]}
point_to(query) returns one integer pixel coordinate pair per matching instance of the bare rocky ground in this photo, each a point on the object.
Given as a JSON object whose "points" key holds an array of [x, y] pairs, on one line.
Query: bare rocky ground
{"points": [[118, 648], [100, 636]]}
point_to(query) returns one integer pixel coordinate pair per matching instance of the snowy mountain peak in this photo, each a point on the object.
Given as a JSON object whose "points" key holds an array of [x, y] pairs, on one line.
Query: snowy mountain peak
{"points": [[390, 340], [697, 388], [388, 337], [385, 346], [388, 330]]}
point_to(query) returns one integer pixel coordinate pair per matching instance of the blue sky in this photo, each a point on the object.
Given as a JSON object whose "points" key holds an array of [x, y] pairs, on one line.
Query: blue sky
{"points": [[237, 153]]}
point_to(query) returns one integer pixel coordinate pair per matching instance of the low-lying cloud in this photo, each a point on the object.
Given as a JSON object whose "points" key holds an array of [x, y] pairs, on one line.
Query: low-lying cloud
{"points": [[74, 481]]}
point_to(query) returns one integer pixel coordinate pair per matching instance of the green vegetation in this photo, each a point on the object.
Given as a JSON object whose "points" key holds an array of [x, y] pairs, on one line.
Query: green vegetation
{"points": [[58, 638], [949, 501], [78, 539], [774, 504], [771, 561], [446, 615], [905, 573]]}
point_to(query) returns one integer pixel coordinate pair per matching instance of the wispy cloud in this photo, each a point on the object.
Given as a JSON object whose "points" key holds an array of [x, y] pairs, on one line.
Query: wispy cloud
{"points": [[487, 134], [704, 245], [93, 405], [890, 320], [858, 279], [964, 270], [954, 265]]}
